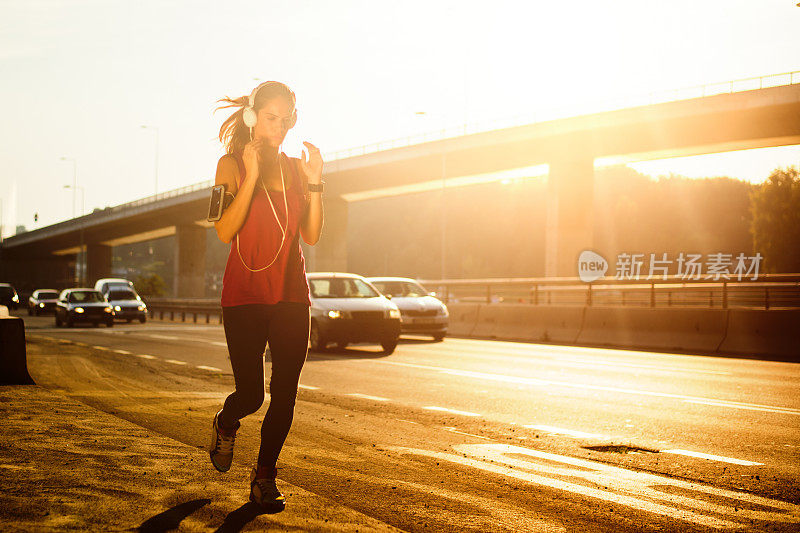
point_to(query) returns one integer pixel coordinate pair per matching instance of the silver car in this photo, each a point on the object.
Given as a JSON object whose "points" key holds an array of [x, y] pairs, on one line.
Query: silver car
{"points": [[345, 309], [421, 312]]}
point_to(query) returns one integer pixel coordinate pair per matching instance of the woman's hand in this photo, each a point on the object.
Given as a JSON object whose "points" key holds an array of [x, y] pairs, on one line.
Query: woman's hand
{"points": [[251, 156], [312, 166]]}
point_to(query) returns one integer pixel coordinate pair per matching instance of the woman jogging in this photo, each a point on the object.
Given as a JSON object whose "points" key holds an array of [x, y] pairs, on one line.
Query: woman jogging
{"points": [[265, 295]]}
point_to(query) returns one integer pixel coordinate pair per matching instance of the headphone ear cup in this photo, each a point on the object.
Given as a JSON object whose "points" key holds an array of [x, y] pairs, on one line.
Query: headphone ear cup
{"points": [[249, 117]]}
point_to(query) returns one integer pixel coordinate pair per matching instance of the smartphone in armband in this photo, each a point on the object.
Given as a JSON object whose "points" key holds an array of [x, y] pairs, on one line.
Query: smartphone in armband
{"points": [[217, 203]]}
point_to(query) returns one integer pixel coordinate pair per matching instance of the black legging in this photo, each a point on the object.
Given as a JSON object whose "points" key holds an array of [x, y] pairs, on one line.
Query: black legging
{"points": [[248, 328]]}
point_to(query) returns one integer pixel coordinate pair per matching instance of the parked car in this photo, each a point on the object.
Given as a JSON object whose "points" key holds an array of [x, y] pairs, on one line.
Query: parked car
{"points": [[83, 305], [42, 301], [346, 308], [105, 285], [421, 312], [127, 305], [8, 296]]}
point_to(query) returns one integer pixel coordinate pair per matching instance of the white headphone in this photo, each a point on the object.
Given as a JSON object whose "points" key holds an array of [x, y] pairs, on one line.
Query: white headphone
{"points": [[249, 114]]}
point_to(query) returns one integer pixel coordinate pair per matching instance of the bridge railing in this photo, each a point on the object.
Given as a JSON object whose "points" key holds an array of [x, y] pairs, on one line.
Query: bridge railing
{"points": [[657, 97], [768, 291]]}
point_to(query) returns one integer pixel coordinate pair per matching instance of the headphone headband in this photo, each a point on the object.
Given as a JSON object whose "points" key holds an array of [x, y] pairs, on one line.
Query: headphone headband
{"points": [[249, 114]]}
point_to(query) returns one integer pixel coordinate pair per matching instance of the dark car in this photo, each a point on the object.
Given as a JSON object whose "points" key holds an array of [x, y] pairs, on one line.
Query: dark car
{"points": [[8, 296], [83, 305], [42, 301], [345, 308], [127, 304]]}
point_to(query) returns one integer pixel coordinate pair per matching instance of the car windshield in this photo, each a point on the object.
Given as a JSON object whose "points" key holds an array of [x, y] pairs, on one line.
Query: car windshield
{"points": [[341, 288], [5, 290], [84, 297], [401, 288], [121, 295], [47, 295]]}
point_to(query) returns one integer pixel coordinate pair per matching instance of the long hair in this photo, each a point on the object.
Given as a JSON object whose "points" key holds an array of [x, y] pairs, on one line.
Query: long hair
{"points": [[233, 133]]}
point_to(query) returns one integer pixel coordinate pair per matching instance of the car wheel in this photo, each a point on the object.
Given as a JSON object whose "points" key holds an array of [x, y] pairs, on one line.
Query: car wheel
{"points": [[58, 321], [95, 324], [30, 311], [438, 337], [389, 345], [110, 323], [128, 320], [318, 343], [68, 322], [142, 319]]}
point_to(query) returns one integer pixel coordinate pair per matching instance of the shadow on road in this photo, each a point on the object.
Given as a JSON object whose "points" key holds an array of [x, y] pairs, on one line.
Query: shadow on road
{"points": [[236, 520], [172, 517]]}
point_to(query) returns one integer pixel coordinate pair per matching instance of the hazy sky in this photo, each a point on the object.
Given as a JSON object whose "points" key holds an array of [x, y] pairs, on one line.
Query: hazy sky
{"points": [[79, 78]]}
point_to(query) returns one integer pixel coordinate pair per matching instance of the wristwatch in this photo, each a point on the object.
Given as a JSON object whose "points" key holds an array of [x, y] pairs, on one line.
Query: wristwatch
{"points": [[316, 187]]}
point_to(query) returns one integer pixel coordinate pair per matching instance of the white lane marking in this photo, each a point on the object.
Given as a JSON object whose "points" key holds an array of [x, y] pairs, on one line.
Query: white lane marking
{"points": [[367, 397], [701, 455], [76, 343], [454, 430], [123, 352], [307, 387], [562, 431], [446, 410], [174, 361], [587, 362], [145, 356], [749, 407], [542, 382], [210, 368], [551, 354], [102, 348], [638, 490], [711, 457], [215, 343], [163, 337]]}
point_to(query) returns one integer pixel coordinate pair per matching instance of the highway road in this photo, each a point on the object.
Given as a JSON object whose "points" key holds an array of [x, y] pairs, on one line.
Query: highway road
{"points": [[472, 435]]}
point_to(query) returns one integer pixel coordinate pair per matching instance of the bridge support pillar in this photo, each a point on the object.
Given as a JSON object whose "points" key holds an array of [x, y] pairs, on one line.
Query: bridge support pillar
{"points": [[98, 263], [330, 253], [190, 261], [570, 195]]}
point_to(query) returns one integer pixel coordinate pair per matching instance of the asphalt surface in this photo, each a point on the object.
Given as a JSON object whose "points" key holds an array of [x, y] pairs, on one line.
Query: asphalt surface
{"points": [[468, 435]]}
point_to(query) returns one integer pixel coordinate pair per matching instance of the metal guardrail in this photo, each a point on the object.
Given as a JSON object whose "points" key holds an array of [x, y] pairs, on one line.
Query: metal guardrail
{"points": [[768, 291], [657, 97], [184, 307]]}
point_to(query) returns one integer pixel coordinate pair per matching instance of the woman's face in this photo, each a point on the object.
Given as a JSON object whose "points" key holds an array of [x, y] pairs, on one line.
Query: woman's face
{"points": [[274, 120]]}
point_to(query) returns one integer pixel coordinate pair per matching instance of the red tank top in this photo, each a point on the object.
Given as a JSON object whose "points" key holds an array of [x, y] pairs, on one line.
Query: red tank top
{"points": [[259, 240]]}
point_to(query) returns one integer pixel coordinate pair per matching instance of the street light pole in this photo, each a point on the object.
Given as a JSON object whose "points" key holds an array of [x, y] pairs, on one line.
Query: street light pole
{"points": [[157, 143], [81, 253], [74, 180]]}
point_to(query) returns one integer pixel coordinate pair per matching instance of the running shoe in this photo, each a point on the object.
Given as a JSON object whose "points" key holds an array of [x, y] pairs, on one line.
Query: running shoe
{"points": [[264, 492], [221, 449]]}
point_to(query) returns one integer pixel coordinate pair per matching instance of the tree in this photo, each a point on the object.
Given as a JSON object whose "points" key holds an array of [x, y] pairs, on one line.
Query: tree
{"points": [[775, 207], [149, 285]]}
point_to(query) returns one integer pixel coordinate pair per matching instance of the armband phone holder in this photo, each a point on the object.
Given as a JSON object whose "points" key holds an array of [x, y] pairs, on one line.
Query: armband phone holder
{"points": [[219, 202]]}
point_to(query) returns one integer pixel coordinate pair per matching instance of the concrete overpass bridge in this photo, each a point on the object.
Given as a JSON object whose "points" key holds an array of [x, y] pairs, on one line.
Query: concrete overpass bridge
{"points": [[755, 118]]}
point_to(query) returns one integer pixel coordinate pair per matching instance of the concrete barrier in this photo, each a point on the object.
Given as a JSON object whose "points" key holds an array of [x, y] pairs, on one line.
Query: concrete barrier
{"points": [[463, 317], [529, 323], [13, 359], [665, 329], [774, 332]]}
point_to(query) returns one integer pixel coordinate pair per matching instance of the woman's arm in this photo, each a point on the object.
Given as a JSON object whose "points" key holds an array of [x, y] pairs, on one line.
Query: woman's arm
{"points": [[311, 224], [234, 216]]}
